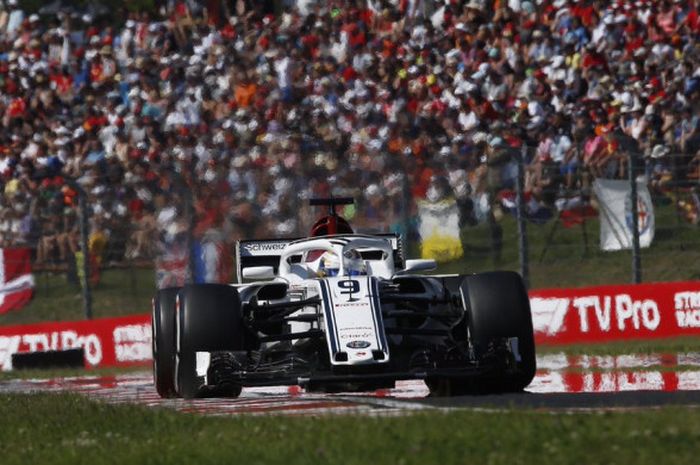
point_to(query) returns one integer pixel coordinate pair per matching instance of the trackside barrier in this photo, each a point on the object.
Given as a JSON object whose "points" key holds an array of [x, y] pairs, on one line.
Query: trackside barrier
{"points": [[615, 313], [107, 342], [560, 316]]}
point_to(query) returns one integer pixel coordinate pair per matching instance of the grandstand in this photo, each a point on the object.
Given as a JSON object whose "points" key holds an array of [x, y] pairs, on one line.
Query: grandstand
{"points": [[221, 117]]}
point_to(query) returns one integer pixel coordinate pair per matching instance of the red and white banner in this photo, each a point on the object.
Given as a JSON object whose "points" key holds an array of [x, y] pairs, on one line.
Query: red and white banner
{"points": [[16, 280], [613, 313], [107, 342], [560, 316]]}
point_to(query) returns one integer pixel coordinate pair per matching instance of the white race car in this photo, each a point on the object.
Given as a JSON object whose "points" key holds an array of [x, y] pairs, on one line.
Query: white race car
{"points": [[342, 311]]}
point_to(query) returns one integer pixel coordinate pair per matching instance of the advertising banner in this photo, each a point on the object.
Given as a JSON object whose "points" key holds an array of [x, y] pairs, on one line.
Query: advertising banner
{"points": [[560, 316], [107, 342], [613, 313]]}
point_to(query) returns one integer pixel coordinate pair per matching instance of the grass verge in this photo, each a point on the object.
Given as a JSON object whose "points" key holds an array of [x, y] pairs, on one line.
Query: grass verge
{"points": [[69, 429], [571, 257], [120, 292], [677, 345]]}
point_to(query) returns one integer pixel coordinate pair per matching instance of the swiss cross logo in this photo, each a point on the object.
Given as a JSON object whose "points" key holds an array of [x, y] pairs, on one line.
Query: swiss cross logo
{"points": [[643, 214]]}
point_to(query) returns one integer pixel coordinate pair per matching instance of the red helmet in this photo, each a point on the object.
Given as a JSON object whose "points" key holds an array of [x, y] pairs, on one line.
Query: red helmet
{"points": [[329, 225]]}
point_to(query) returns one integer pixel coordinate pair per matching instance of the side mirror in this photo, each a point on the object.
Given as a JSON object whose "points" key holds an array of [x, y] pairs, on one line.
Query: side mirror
{"points": [[420, 264], [259, 272]]}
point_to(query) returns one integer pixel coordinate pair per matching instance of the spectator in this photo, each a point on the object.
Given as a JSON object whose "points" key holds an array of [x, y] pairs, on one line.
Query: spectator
{"points": [[259, 110]]}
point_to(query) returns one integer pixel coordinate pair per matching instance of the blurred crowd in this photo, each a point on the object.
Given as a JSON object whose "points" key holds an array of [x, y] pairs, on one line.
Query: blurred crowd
{"points": [[235, 112]]}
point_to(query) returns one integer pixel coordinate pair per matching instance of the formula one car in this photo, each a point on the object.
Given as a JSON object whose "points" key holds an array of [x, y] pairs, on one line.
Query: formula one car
{"points": [[339, 311]]}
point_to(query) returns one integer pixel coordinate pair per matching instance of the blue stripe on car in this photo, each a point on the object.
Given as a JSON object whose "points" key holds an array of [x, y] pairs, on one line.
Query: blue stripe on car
{"points": [[330, 319]]}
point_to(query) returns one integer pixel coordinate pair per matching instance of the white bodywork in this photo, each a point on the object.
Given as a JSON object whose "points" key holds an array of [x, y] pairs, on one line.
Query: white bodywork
{"points": [[294, 272], [349, 311], [353, 320], [352, 317]]}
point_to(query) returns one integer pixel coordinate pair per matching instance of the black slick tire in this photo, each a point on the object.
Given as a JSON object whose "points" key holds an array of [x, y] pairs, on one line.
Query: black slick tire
{"points": [[498, 308], [209, 318], [163, 340]]}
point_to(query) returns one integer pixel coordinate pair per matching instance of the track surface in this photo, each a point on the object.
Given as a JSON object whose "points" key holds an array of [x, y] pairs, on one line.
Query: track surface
{"points": [[562, 383]]}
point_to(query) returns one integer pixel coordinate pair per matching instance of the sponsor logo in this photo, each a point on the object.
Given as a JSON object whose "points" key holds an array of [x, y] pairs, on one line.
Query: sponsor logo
{"points": [[353, 304], [132, 343], [605, 312], [687, 306], [55, 340], [8, 346], [265, 247], [628, 313], [361, 334], [548, 314], [358, 344]]}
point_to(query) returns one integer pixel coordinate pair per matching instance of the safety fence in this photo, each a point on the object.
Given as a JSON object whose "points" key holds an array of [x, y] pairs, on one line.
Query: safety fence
{"points": [[560, 223]]}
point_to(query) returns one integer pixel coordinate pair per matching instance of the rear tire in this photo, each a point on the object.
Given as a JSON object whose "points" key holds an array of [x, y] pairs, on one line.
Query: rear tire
{"points": [[163, 340], [498, 308], [209, 319]]}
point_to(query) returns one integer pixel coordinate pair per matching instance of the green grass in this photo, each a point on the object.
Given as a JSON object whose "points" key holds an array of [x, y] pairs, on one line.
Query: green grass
{"points": [[70, 429], [571, 257], [35, 426], [120, 292], [677, 345]]}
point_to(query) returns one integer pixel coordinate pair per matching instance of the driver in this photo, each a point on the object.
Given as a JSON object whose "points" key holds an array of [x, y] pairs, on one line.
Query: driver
{"points": [[329, 265], [354, 264]]}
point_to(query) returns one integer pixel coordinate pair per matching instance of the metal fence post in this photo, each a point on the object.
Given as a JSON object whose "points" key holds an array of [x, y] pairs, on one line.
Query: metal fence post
{"points": [[189, 212], [191, 221], [520, 213], [84, 238], [405, 210], [636, 257]]}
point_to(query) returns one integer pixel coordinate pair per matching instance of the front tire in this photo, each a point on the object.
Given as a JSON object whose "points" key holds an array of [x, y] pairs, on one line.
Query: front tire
{"points": [[209, 319], [163, 340], [499, 308]]}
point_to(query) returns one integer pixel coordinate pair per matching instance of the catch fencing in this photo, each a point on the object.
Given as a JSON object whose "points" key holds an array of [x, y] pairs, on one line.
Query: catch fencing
{"points": [[512, 209]]}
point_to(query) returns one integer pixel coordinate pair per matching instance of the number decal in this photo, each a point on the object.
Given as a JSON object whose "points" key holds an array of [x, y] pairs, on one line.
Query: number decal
{"points": [[350, 286]]}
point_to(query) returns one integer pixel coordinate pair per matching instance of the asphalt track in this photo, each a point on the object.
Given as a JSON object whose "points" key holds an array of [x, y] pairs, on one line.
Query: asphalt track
{"points": [[563, 383]]}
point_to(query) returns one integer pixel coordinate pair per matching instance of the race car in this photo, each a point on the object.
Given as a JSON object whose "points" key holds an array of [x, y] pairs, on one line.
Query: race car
{"points": [[339, 311]]}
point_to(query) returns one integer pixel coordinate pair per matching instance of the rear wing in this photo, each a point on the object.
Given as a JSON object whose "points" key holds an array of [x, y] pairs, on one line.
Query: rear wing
{"points": [[267, 252]]}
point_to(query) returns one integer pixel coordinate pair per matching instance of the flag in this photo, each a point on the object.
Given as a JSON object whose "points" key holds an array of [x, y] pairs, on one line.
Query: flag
{"points": [[614, 199], [439, 230], [16, 280], [212, 260], [172, 267]]}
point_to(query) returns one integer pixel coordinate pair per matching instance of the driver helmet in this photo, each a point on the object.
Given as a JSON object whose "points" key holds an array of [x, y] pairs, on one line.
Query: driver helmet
{"points": [[329, 265], [354, 264]]}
